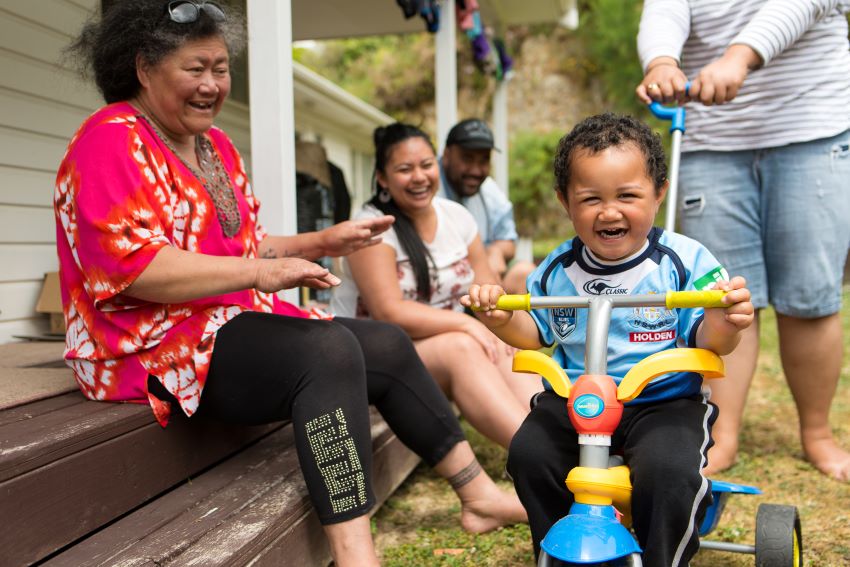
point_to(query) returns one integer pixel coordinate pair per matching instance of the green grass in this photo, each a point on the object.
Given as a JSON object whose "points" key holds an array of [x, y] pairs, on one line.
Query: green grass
{"points": [[420, 524]]}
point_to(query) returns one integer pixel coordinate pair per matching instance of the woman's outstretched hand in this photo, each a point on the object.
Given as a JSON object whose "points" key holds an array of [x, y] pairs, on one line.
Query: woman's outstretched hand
{"points": [[350, 236], [285, 273]]}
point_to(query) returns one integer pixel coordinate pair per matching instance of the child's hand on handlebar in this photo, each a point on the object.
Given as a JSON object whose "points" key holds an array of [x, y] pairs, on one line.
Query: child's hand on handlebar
{"points": [[482, 299], [740, 311]]}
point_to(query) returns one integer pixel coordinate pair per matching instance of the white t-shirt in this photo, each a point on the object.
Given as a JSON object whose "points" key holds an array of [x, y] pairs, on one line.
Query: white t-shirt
{"points": [[451, 274]]}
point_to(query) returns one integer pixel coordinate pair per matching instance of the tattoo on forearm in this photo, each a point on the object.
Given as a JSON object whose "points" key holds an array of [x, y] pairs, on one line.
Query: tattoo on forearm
{"points": [[466, 475], [271, 253], [294, 254]]}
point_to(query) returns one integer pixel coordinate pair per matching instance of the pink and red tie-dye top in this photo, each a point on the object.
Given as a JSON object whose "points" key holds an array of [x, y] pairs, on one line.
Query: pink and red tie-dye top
{"points": [[122, 195]]}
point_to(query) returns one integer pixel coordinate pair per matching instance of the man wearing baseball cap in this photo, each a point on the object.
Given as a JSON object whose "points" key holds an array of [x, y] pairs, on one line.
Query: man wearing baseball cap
{"points": [[465, 178]]}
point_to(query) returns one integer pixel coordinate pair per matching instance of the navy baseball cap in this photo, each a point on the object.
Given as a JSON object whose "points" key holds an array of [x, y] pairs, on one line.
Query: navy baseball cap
{"points": [[473, 134]]}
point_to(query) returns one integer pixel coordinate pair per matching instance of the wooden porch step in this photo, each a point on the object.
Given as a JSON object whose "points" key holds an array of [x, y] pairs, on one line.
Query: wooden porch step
{"points": [[91, 483], [69, 466], [252, 508]]}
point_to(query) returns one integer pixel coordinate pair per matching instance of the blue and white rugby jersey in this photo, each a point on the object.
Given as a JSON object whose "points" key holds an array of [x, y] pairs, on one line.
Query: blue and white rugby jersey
{"points": [[668, 261]]}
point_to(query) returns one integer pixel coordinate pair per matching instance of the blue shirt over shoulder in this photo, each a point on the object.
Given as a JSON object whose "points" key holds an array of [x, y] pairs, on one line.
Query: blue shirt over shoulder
{"points": [[493, 212], [668, 261]]}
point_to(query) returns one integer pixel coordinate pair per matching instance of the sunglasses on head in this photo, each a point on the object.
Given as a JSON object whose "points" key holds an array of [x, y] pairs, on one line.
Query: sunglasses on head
{"points": [[188, 11]]}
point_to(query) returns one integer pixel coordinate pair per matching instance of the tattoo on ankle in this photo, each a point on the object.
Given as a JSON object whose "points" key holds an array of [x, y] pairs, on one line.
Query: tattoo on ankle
{"points": [[269, 254], [466, 475]]}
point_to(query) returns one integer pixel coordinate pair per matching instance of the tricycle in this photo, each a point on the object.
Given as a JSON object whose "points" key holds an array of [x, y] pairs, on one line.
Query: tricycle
{"points": [[596, 529]]}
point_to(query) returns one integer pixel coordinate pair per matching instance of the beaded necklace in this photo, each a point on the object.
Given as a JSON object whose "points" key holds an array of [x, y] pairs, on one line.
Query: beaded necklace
{"points": [[212, 176]]}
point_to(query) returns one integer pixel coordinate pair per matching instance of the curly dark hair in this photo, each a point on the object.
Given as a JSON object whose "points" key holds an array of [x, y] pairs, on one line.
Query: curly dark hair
{"points": [[108, 45], [602, 131], [386, 138]]}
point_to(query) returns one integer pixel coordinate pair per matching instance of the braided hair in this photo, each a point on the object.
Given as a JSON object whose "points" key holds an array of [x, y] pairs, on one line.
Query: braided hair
{"points": [[386, 139]]}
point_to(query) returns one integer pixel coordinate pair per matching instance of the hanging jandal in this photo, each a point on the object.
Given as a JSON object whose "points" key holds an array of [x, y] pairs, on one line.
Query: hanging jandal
{"points": [[488, 52], [429, 10], [491, 59]]}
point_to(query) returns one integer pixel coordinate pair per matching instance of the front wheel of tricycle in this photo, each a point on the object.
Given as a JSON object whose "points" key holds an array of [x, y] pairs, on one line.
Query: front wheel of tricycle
{"points": [[779, 539], [632, 560]]}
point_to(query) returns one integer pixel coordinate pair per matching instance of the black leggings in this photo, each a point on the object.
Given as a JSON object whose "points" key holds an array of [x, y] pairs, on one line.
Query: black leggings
{"points": [[321, 375]]}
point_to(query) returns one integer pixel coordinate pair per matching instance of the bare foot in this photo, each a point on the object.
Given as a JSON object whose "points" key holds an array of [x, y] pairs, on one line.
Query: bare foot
{"points": [[826, 456], [720, 457], [496, 509]]}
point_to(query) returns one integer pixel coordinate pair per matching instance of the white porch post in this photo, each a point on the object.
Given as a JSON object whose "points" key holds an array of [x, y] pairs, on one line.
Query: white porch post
{"points": [[500, 134], [272, 115], [446, 72]]}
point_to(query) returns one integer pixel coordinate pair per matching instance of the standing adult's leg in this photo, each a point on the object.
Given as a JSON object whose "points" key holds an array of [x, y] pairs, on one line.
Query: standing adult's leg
{"points": [[730, 394], [418, 412], [720, 206], [812, 355], [807, 237], [268, 367]]}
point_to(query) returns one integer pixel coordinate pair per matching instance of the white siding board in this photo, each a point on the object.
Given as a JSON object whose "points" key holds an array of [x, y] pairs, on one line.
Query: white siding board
{"points": [[28, 38], [20, 262], [35, 326], [18, 300], [56, 15], [27, 225], [30, 150], [22, 111], [234, 120], [46, 80], [26, 186]]}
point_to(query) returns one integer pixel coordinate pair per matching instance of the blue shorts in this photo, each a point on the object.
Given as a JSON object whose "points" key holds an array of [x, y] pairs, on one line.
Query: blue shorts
{"points": [[780, 217]]}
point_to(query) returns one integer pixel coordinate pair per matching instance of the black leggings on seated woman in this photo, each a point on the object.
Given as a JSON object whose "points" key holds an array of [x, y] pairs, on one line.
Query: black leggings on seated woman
{"points": [[321, 375]]}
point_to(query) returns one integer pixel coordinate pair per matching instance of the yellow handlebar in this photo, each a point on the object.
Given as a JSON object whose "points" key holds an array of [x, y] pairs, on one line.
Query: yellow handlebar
{"points": [[711, 298], [673, 299], [512, 303]]}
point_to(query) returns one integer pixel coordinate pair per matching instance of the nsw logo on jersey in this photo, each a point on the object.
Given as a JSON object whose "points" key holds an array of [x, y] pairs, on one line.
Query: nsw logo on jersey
{"points": [[563, 321], [601, 286], [653, 319]]}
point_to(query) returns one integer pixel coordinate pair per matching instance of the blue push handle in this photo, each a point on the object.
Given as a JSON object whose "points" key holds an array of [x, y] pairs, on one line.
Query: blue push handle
{"points": [[676, 114]]}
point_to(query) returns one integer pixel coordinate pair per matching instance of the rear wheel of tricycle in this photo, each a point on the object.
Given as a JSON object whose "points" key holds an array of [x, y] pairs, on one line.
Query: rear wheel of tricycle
{"points": [[779, 539], [632, 560]]}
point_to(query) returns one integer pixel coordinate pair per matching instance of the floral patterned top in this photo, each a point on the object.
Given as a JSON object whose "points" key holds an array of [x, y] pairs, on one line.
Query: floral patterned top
{"points": [[122, 195], [451, 274]]}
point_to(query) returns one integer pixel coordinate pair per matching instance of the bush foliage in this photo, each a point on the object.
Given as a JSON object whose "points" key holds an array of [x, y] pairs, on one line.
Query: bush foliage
{"points": [[396, 74], [532, 183], [608, 31]]}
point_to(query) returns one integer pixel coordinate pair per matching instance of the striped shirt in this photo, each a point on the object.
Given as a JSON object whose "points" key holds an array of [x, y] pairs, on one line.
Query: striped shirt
{"points": [[801, 93]]}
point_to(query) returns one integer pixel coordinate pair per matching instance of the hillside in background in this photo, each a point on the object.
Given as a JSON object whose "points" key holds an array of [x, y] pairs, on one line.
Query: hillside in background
{"points": [[559, 76]]}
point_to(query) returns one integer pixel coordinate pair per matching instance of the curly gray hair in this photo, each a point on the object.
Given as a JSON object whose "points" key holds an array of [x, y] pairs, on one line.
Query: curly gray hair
{"points": [[107, 46]]}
